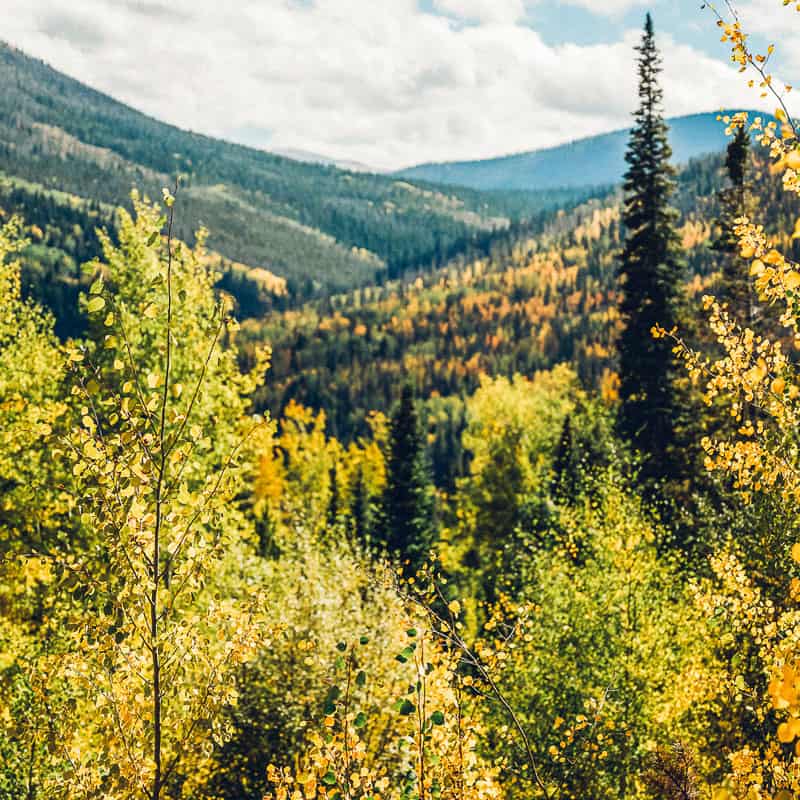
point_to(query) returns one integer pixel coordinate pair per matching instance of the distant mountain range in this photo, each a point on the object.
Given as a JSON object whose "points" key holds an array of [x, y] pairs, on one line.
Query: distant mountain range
{"points": [[300, 218], [316, 225], [593, 161]]}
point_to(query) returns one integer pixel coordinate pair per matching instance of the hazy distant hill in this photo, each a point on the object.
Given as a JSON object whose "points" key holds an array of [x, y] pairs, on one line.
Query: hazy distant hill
{"points": [[594, 161], [317, 225], [316, 158]]}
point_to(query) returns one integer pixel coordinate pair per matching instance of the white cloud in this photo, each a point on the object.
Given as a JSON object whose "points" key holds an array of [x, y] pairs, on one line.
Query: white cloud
{"points": [[483, 10], [607, 7], [377, 81]]}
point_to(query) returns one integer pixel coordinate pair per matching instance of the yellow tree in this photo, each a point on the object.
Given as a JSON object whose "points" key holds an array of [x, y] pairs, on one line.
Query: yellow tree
{"points": [[760, 382], [32, 369], [158, 457], [432, 718], [33, 511]]}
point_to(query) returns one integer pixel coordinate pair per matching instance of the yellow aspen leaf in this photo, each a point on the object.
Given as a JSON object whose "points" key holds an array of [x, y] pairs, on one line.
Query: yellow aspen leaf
{"points": [[774, 257], [785, 734], [793, 159], [96, 304]]}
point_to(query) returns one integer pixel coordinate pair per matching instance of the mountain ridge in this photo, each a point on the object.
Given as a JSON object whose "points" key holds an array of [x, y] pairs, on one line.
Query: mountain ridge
{"points": [[320, 227], [589, 161]]}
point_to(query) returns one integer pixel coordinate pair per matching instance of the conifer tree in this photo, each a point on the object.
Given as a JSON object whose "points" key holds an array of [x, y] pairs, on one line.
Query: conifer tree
{"points": [[566, 464], [651, 276], [735, 201], [407, 508], [360, 512], [333, 501]]}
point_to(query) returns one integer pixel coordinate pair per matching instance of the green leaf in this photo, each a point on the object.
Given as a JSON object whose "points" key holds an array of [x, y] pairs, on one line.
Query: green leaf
{"points": [[437, 718], [329, 707], [360, 721], [151, 239], [95, 304], [411, 632], [364, 640], [334, 693], [405, 654], [329, 779], [361, 678], [341, 646], [406, 708]]}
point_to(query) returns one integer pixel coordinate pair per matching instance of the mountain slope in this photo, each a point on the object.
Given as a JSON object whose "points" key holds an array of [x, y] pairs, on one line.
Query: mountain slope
{"points": [[535, 299], [594, 161], [318, 226]]}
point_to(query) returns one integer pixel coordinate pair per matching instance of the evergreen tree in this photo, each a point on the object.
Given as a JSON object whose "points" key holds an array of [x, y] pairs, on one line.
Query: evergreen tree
{"points": [[566, 464], [651, 276], [735, 201], [333, 501], [407, 508], [360, 511]]}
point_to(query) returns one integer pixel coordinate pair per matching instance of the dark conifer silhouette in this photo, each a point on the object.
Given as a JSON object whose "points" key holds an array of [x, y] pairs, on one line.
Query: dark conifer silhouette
{"points": [[407, 510], [736, 287], [651, 275]]}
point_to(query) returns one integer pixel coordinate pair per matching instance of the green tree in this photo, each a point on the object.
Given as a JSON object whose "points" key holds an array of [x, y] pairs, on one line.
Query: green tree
{"points": [[163, 622], [360, 510], [407, 509], [735, 201], [651, 275], [602, 588]]}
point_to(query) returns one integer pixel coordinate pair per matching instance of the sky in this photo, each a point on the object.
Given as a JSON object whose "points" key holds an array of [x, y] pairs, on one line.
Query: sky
{"points": [[391, 83]]}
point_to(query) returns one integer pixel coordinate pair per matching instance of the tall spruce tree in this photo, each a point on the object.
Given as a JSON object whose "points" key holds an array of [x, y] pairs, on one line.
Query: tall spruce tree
{"points": [[735, 200], [651, 274], [333, 500], [407, 509], [360, 512]]}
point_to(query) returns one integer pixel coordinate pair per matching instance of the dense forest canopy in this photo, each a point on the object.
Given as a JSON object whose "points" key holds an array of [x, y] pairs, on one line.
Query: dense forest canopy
{"points": [[509, 513]]}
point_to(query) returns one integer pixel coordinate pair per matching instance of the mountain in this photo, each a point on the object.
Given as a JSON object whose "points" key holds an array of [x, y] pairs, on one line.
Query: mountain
{"points": [[536, 298], [594, 161], [316, 158], [319, 227]]}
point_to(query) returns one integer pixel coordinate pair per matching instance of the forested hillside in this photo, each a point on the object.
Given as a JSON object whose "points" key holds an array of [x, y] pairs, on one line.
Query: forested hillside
{"points": [[519, 522], [534, 301], [316, 226]]}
